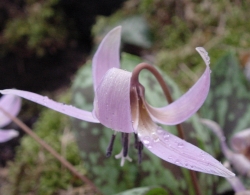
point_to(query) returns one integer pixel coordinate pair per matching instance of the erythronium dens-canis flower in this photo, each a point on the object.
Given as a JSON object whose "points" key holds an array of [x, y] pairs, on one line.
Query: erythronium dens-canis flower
{"points": [[120, 104]]}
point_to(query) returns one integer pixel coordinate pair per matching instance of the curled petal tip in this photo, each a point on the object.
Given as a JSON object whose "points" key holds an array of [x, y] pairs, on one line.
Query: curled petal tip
{"points": [[204, 55]]}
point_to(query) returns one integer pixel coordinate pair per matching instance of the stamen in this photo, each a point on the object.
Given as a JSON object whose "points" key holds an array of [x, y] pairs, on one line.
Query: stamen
{"points": [[110, 146], [140, 148], [136, 141], [125, 144]]}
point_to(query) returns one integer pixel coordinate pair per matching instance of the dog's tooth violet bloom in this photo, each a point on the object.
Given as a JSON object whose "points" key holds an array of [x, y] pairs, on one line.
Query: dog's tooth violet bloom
{"points": [[120, 104], [12, 105]]}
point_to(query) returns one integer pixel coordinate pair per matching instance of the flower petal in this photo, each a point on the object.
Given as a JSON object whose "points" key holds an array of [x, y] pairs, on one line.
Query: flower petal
{"points": [[45, 101], [181, 153], [175, 150], [240, 142], [107, 55], [236, 184], [112, 101], [240, 163], [219, 133], [189, 103], [6, 135], [12, 105]]}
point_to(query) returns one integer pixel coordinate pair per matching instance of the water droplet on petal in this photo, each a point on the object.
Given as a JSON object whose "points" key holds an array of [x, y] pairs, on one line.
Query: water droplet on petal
{"points": [[155, 137], [170, 158], [166, 136], [160, 132], [180, 145], [147, 142]]}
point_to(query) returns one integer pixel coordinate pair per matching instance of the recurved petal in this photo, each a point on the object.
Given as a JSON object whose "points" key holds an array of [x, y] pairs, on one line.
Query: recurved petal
{"points": [[107, 55], [59, 107], [175, 150], [12, 105], [6, 135], [181, 153], [112, 101], [183, 108]]}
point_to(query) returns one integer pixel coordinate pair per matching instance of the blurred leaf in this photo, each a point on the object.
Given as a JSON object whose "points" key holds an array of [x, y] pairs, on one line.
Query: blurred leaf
{"points": [[145, 191], [228, 100]]}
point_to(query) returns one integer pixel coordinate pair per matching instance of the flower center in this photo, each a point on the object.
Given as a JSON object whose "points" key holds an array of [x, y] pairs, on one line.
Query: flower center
{"points": [[123, 155]]}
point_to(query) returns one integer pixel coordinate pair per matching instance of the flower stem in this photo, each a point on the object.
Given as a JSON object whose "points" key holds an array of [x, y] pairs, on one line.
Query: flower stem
{"points": [[166, 91], [64, 162]]}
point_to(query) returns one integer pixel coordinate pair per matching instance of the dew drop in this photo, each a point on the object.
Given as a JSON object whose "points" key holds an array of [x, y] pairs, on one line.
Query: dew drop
{"points": [[166, 136], [180, 145], [146, 141], [170, 158], [160, 132], [155, 137]]}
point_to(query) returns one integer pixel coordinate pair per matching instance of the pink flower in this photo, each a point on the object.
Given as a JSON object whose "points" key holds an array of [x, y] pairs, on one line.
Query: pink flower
{"points": [[120, 105], [11, 104]]}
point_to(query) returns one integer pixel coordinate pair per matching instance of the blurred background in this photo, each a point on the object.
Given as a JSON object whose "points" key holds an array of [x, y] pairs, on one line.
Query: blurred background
{"points": [[46, 47]]}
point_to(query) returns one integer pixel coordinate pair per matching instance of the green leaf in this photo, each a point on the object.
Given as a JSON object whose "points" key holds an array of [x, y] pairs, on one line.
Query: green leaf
{"points": [[228, 100]]}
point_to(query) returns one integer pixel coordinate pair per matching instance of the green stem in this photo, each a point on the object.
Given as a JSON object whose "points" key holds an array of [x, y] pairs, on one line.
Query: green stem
{"points": [[63, 161], [166, 91]]}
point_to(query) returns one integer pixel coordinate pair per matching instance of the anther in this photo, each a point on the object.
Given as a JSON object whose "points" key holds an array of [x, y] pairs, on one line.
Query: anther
{"points": [[140, 148], [125, 144], [110, 146], [136, 141]]}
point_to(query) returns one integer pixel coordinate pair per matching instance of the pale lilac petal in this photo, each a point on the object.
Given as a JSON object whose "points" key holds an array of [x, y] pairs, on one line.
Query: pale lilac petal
{"points": [[45, 101], [239, 162], [236, 184], [6, 135], [189, 103], [107, 55], [181, 153], [175, 150], [12, 105], [219, 133], [247, 192], [112, 101], [240, 142]]}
